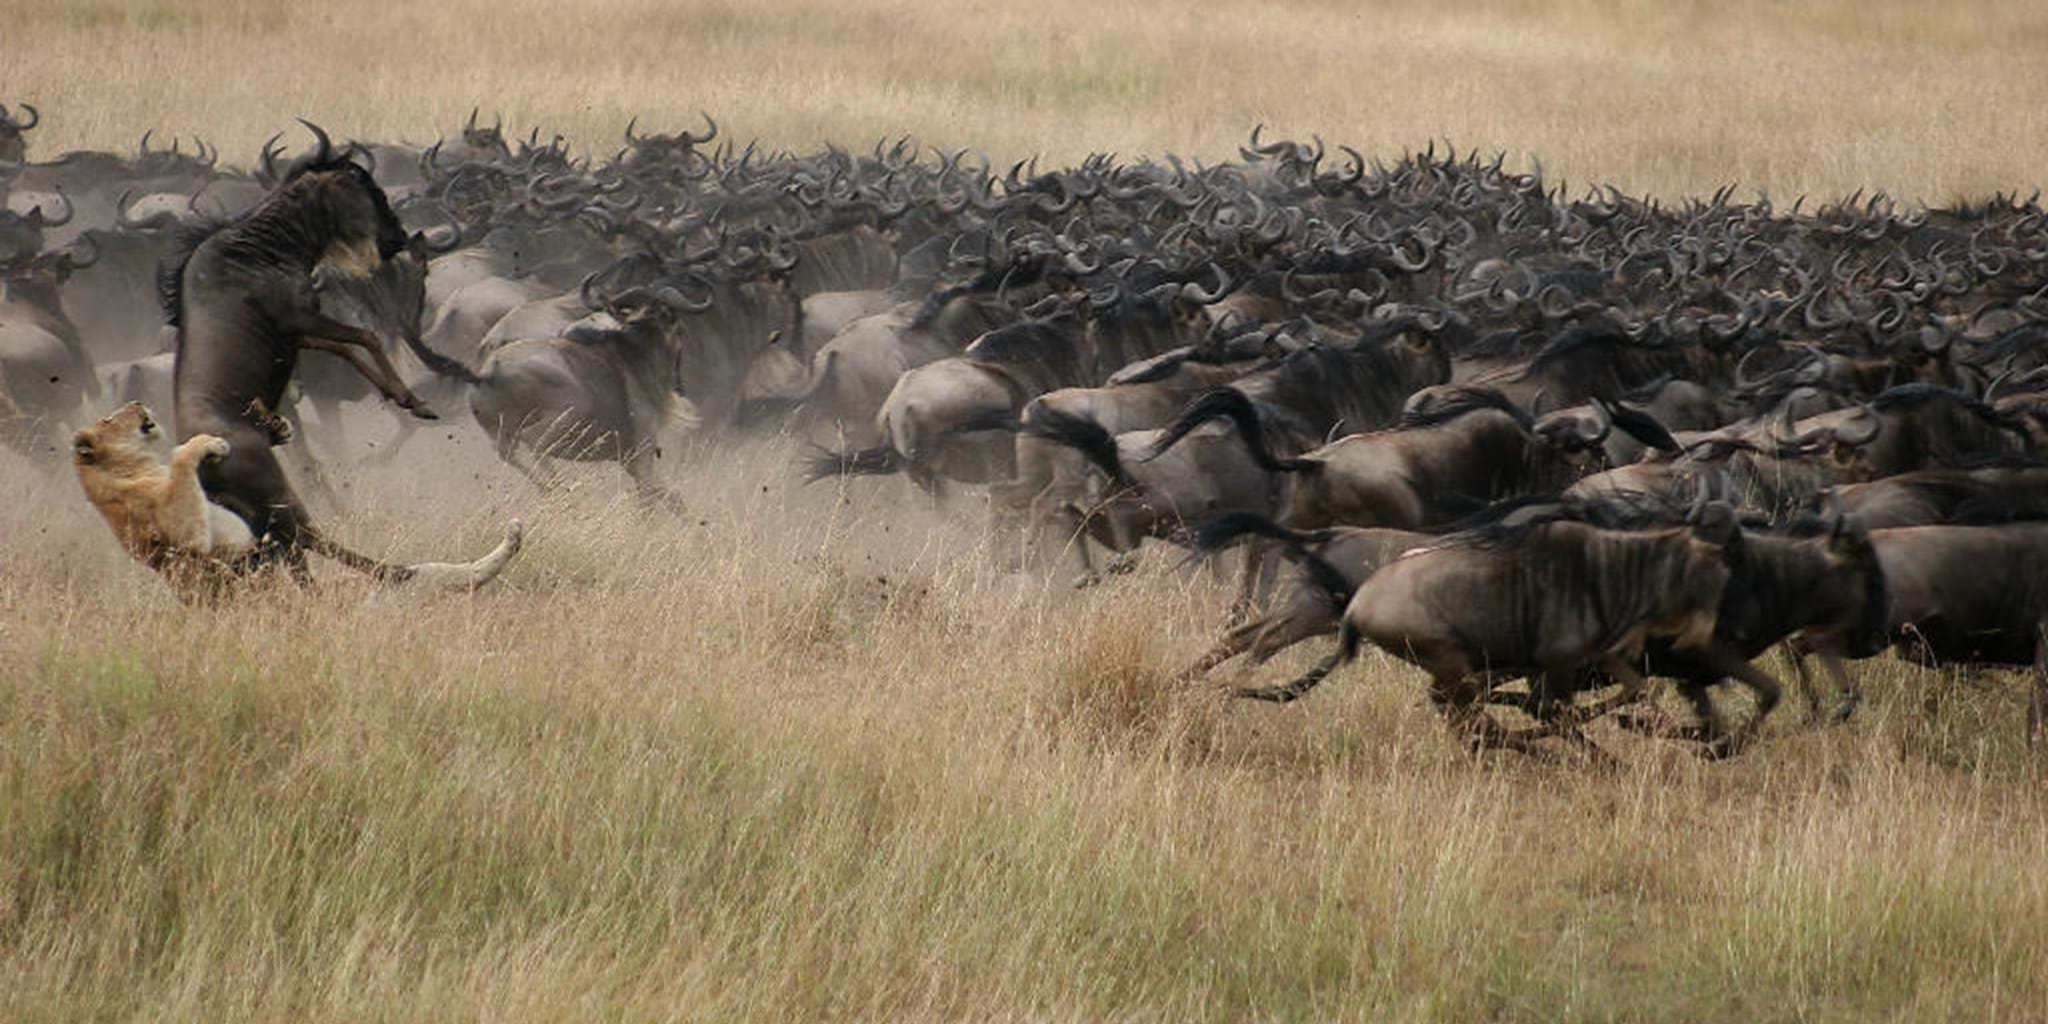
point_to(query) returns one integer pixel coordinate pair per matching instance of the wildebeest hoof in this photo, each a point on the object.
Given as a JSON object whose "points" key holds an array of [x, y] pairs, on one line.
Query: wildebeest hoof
{"points": [[1086, 580], [421, 411], [1122, 564]]}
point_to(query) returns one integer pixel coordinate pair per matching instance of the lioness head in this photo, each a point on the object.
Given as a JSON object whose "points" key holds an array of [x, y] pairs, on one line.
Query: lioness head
{"points": [[123, 431]]}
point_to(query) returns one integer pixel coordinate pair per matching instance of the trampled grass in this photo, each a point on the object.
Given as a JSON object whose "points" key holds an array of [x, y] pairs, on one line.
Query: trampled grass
{"points": [[809, 754]]}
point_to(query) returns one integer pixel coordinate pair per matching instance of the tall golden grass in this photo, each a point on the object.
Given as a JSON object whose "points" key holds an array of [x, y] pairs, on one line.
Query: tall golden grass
{"points": [[809, 754]]}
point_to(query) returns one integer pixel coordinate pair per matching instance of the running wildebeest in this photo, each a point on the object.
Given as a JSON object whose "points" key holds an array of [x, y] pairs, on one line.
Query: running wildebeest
{"points": [[242, 298]]}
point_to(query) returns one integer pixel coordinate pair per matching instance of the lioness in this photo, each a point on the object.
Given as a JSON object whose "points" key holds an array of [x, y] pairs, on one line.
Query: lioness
{"points": [[159, 513], [162, 516]]}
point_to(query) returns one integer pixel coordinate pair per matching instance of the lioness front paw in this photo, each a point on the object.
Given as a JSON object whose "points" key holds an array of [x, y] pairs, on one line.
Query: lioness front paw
{"points": [[273, 426]]}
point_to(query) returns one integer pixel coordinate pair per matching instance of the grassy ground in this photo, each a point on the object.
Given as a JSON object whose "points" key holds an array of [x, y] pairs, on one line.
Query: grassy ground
{"points": [[813, 757], [809, 755], [1928, 100]]}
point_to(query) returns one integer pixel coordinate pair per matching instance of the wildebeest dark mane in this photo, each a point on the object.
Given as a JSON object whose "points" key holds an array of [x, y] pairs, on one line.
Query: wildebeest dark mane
{"points": [[2022, 340], [1507, 523], [1599, 333], [988, 280], [1459, 401], [265, 233], [1362, 377], [1919, 393], [1040, 344]]}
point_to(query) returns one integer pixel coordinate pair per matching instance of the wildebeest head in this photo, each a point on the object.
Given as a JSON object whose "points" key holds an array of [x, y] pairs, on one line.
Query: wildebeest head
{"points": [[23, 220], [37, 280], [351, 209], [13, 148], [1827, 565]]}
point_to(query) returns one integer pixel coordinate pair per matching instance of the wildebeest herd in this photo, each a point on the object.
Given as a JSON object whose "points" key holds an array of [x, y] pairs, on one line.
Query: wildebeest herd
{"points": [[1543, 447]]}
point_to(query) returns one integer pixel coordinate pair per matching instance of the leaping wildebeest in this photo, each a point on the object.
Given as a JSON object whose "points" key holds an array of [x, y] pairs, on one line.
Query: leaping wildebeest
{"points": [[242, 298]]}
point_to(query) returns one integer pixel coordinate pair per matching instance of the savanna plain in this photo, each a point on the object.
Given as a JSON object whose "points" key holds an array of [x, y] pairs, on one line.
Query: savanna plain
{"points": [[810, 753]]}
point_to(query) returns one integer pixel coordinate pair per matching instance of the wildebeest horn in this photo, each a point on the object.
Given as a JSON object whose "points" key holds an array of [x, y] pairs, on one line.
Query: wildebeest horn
{"points": [[1603, 424], [34, 119], [1859, 438], [356, 149], [710, 133], [451, 232], [142, 148], [1991, 388], [69, 211], [470, 125], [69, 259], [673, 297], [1742, 379], [326, 150], [1194, 293]]}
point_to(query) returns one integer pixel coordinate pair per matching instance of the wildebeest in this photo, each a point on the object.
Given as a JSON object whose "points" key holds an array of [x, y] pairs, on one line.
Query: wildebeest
{"points": [[1543, 598], [1328, 566], [1993, 489], [1968, 595], [1472, 447], [14, 148], [601, 391], [241, 295], [48, 373]]}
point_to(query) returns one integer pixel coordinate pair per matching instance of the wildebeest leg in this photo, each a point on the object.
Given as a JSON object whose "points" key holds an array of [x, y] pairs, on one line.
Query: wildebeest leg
{"points": [[1242, 605], [369, 360], [362, 349], [1455, 696], [1234, 643], [1633, 687], [304, 465], [1728, 664], [506, 443], [1850, 691], [2037, 707], [647, 485], [1289, 692]]}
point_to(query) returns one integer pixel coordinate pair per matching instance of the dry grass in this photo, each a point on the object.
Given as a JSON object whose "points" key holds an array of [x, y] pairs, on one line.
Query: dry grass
{"points": [[1928, 100], [808, 756], [815, 758]]}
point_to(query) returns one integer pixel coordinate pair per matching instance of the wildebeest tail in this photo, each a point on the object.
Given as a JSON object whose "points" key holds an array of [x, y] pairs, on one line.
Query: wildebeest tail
{"points": [[1080, 433], [441, 365], [1223, 530], [1231, 404], [1643, 427], [820, 462], [1348, 641]]}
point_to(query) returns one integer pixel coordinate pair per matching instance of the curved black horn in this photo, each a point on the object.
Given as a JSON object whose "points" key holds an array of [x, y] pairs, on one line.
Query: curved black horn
{"points": [[1857, 439], [1194, 293], [1603, 424], [326, 150]]}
